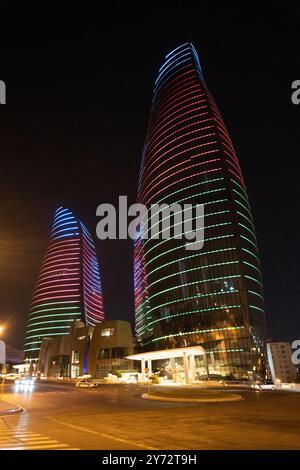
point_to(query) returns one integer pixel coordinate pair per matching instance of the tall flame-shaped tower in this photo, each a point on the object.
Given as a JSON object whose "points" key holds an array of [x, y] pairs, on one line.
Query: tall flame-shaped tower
{"points": [[211, 297], [68, 286]]}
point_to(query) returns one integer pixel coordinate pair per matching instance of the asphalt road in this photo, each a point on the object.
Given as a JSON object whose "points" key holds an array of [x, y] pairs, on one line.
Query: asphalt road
{"points": [[116, 417]]}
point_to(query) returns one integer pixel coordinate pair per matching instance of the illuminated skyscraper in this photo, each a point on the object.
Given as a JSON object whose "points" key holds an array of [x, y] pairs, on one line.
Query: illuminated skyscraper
{"points": [[68, 286], [211, 297]]}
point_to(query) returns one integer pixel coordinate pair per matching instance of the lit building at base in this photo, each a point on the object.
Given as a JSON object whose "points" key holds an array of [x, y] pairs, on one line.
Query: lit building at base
{"points": [[211, 297], [280, 361], [68, 286]]}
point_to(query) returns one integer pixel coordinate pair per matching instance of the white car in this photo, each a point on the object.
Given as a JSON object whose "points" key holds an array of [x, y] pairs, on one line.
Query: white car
{"points": [[85, 384], [11, 377], [266, 386]]}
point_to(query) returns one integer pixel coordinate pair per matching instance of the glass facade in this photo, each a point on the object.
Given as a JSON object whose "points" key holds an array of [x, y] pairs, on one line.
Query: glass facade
{"points": [[212, 297], [68, 286]]}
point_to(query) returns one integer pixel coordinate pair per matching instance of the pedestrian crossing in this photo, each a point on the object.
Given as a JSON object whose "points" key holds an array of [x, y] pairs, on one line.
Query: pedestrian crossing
{"points": [[18, 438]]}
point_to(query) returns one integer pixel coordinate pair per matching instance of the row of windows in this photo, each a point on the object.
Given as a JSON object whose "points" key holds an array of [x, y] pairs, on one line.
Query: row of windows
{"points": [[111, 353]]}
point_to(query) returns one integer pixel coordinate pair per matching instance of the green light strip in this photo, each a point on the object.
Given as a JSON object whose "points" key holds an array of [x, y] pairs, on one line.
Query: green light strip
{"points": [[209, 330], [244, 194], [226, 350], [242, 205], [189, 257], [190, 186], [252, 254], [55, 309], [247, 218], [192, 196], [54, 315], [252, 266], [198, 268], [246, 228], [253, 279], [198, 296], [40, 341], [190, 231], [49, 328], [257, 308], [181, 222], [250, 241], [180, 247], [213, 279], [227, 307], [52, 321], [54, 303], [256, 293]]}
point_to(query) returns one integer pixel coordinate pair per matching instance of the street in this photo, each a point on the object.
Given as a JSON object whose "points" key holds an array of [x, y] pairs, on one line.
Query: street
{"points": [[59, 416]]}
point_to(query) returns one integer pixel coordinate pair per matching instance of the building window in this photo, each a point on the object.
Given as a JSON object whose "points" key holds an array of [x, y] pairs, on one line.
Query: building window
{"points": [[101, 370], [75, 357], [103, 354], [117, 353], [107, 331]]}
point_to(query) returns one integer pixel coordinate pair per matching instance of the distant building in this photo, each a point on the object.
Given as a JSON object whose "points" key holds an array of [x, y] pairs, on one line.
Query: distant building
{"points": [[280, 361], [2, 352], [14, 355], [68, 286], [10, 355], [96, 350]]}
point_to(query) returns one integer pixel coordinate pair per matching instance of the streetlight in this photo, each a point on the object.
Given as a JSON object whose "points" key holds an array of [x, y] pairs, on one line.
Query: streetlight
{"points": [[3, 367]]}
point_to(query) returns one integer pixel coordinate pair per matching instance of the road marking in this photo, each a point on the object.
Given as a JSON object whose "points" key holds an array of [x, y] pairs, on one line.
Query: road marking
{"points": [[15, 438], [37, 447], [108, 436], [36, 439]]}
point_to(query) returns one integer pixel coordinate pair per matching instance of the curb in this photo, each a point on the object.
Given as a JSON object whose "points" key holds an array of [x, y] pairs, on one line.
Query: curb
{"points": [[12, 411], [234, 397]]}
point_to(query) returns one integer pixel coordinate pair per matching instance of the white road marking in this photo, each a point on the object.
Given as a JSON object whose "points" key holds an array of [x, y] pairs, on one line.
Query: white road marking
{"points": [[17, 438], [108, 436]]}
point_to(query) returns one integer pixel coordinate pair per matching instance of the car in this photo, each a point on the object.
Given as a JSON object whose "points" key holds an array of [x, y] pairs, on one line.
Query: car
{"points": [[264, 386], [85, 384], [267, 386], [11, 377]]}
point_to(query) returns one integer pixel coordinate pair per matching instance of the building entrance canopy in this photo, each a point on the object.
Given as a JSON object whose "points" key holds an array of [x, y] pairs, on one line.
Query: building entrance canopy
{"points": [[188, 354], [168, 353]]}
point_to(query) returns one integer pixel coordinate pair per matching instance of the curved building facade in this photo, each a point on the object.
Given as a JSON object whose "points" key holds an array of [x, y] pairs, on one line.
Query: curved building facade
{"points": [[211, 297], [68, 286]]}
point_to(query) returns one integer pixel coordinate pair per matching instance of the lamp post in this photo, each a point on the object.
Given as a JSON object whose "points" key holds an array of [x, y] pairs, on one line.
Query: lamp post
{"points": [[3, 371]]}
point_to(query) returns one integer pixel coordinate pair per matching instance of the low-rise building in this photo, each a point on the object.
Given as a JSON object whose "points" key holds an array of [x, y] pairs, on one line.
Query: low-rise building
{"points": [[280, 361], [96, 351], [112, 341]]}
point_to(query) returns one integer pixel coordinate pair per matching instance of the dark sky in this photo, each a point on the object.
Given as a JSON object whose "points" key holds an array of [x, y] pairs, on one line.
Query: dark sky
{"points": [[79, 86]]}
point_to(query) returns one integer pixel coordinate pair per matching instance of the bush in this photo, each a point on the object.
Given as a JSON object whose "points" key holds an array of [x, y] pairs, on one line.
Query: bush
{"points": [[154, 379], [117, 373]]}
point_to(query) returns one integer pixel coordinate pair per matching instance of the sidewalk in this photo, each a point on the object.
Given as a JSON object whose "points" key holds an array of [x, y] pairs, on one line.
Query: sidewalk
{"points": [[9, 409]]}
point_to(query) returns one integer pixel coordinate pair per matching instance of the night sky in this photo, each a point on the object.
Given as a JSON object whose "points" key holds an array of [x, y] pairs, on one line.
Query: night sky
{"points": [[79, 86]]}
